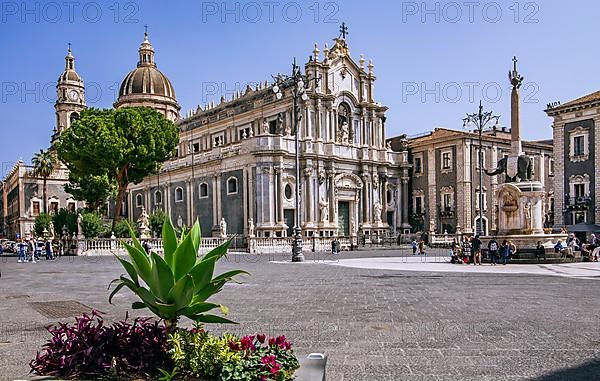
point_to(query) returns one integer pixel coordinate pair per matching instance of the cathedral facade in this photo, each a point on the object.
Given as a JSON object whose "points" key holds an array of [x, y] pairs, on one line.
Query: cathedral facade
{"points": [[236, 159]]}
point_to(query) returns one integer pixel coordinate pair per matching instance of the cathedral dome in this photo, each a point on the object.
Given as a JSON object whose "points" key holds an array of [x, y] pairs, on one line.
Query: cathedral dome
{"points": [[146, 80], [147, 86]]}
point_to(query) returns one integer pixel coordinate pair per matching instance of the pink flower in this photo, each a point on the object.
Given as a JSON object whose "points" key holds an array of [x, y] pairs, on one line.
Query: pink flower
{"points": [[248, 343], [261, 338]]}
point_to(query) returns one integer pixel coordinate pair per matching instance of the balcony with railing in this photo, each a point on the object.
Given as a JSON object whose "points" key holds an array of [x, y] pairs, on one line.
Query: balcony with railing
{"points": [[578, 203]]}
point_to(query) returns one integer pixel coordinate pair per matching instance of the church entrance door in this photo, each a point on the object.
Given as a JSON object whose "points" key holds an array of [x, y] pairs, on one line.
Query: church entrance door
{"points": [[289, 217], [344, 218]]}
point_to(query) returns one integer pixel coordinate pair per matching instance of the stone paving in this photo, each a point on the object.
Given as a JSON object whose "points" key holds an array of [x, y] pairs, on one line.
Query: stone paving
{"points": [[374, 323]]}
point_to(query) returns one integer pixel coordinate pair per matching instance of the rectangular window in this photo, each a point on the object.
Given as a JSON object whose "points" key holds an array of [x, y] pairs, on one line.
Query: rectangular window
{"points": [[480, 158], [72, 206], [446, 160], [53, 207], [419, 204], [551, 167], [578, 145], [579, 190], [196, 147], [447, 201], [418, 165], [36, 208], [477, 198]]}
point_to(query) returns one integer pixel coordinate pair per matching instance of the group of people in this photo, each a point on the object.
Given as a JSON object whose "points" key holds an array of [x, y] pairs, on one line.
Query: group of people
{"points": [[418, 248], [30, 251], [572, 244], [469, 251]]}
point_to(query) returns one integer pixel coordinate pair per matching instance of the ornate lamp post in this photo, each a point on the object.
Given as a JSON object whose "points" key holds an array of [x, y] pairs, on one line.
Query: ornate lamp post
{"points": [[298, 83], [480, 120]]}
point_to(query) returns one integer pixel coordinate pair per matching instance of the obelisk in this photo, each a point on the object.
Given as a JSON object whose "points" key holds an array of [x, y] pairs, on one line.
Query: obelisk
{"points": [[516, 80]]}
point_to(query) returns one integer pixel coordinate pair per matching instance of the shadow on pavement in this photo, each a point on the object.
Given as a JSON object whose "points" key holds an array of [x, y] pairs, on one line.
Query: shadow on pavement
{"points": [[587, 371]]}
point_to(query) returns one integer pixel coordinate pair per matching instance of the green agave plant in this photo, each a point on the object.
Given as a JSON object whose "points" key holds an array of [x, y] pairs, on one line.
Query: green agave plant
{"points": [[178, 284]]}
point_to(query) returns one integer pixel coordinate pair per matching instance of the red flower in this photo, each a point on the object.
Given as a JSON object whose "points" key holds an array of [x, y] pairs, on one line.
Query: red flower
{"points": [[234, 346], [261, 338], [248, 343]]}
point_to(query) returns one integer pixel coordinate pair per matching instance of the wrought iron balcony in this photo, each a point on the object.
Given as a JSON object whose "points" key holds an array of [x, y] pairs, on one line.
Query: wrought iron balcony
{"points": [[578, 203]]}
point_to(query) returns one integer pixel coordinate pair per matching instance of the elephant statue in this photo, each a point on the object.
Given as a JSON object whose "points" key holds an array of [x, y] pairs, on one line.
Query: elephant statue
{"points": [[524, 169]]}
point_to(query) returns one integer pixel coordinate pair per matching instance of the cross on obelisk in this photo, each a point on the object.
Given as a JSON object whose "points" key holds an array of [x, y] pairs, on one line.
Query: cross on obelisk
{"points": [[343, 30], [515, 80]]}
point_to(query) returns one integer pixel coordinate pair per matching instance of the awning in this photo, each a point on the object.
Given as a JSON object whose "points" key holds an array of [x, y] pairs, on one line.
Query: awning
{"points": [[581, 228]]}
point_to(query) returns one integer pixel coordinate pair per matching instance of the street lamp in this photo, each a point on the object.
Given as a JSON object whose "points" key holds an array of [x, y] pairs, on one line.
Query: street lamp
{"points": [[297, 82], [480, 120]]}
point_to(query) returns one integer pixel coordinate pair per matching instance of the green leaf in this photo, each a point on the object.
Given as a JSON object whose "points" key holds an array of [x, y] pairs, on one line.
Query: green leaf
{"points": [[184, 258], [229, 275], [210, 319], [202, 273], [138, 305], [162, 277], [196, 233], [169, 241], [129, 268], [181, 294], [140, 261], [208, 291], [117, 289], [199, 308], [218, 251]]}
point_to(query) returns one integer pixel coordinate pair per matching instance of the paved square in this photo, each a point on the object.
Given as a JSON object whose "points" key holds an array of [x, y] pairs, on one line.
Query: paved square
{"points": [[374, 323]]}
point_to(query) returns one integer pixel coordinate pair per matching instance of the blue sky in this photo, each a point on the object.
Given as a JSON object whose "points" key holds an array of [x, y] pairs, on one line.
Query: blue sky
{"points": [[434, 61]]}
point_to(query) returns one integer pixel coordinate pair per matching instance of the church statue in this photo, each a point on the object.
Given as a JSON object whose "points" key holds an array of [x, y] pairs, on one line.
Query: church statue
{"points": [[265, 127], [280, 124], [250, 227], [377, 211], [51, 230], [223, 226], [344, 133], [528, 216], [79, 227], [324, 208], [143, 220]]}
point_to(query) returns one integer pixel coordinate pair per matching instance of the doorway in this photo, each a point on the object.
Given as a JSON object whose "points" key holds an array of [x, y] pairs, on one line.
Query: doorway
{"points": [[344, 218], [289, 217]]}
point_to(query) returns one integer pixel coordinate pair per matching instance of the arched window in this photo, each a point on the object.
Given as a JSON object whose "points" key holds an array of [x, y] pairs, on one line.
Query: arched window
{"points": [[73, 117], [483, 229], [139, 200], [158, 197], [345, 129], [232, 185], [203, 193], [178, 194]]}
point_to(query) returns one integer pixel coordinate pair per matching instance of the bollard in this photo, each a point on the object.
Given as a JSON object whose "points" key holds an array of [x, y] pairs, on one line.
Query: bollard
{"points": [[312, 368]]}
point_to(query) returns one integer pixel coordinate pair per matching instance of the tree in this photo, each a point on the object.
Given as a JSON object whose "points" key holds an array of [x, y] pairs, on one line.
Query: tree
{"points": [[95, 190], [126, 145], [157, 219], [42, 222], [91, 224], [65, 218], [43, 166]]}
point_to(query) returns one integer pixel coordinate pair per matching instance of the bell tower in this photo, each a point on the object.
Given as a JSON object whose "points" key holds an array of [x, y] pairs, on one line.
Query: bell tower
{"points": [[70, 96]]}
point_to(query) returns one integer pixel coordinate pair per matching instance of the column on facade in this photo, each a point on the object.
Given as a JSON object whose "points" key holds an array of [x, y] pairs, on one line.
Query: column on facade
{"points": [[492, 192], [318, 120], [405, 200], [365, 198], [190, 213], [332, 208], [596, 159], [148, 199], [216, 197], [279, 186], [432, 191], [310, 207], [558, 129], [384, 185], [246, 177]]}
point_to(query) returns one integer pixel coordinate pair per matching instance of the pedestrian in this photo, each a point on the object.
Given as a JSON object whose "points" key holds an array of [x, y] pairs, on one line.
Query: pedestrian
{"points": [[512, 250], [60, 249], [414, 246], [493, 251], [333, 247], [540, 251], [22, 251], [49, 253], [147, 247], [467, 250], [476, 250], [504, 252], [422, 248], [31, 246]]}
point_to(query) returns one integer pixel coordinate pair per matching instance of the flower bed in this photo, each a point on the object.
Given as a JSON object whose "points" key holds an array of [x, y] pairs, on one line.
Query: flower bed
{"points": [[172, 286]]}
